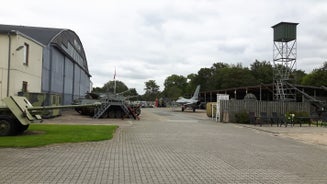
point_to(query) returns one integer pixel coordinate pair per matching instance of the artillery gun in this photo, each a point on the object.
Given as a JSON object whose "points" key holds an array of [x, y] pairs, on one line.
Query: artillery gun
{"points": [[19, 113], [112, 106]]}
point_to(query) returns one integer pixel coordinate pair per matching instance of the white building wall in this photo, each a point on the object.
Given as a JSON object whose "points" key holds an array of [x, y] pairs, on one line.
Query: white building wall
{"points": [[3, 65], [19, 72]]}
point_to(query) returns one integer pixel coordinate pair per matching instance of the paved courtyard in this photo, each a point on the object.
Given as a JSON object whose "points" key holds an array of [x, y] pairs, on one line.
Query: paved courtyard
{"points": [[170, 147]]}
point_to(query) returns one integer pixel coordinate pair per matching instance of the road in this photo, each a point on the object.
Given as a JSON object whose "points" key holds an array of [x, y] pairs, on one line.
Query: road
{"points": [[170, 147]]}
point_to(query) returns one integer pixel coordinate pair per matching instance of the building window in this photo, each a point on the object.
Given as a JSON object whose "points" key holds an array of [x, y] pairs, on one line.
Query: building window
{"points": [[24, 87], [26, 53]]}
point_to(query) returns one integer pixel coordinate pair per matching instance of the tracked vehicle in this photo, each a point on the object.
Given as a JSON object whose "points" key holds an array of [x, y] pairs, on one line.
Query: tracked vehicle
{"points": [[112, 106]]}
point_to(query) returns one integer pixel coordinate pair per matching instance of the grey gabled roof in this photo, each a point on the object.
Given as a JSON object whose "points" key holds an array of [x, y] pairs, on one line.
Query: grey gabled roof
{"points": [[40, 34]]}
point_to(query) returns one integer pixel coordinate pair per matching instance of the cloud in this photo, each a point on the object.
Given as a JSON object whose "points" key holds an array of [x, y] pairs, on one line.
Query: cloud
{"points": [[151, 40]]}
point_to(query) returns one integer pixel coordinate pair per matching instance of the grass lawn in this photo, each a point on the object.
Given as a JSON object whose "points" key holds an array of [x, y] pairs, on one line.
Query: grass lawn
{"points": [[45, 134]]}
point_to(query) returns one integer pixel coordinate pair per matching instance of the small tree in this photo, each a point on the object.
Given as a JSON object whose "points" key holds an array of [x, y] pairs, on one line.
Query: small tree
{"points": [[110, 86], [151, 90], [175, 86]]}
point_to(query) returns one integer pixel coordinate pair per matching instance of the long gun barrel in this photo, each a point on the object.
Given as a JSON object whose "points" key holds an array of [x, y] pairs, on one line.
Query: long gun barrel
{"points": [[62, 106], [23, 110]]}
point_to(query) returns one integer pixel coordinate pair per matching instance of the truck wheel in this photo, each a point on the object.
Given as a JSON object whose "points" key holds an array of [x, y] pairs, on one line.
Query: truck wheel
{"points": [[20, 128], [7, 126]]}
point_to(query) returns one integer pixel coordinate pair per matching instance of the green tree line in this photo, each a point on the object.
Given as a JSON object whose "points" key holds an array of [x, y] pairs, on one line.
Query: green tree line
{"points": [[219, 76], [222, 76]]}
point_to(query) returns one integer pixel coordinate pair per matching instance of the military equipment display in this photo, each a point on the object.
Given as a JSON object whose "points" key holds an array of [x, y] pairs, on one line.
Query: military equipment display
{"points": [[19, 112], [191, 102], [112, 106], [44, 99]]}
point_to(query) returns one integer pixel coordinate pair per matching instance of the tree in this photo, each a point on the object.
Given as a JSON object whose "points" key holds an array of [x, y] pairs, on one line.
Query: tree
{"points": [[297, 76], [175, 80], [318, 77], [151, 87], [262, 72], [236, 76], [130, 93], [97, 90], [203, 78], [191, 83], [217, 79], [120, 87], [109, 87], [173, 92], [151, 90], [175, 86]]}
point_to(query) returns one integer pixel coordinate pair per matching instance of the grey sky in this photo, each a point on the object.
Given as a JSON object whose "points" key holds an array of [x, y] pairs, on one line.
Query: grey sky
{"points": [[153, 39]]}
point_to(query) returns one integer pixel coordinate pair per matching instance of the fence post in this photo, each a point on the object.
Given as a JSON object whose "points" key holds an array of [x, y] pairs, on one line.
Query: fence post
{"points": [[218, 109]]}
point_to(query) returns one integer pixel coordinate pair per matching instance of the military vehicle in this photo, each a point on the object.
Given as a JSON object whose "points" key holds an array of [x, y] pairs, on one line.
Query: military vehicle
{"points": [[44, 99], [112, 106], [19, 113]]}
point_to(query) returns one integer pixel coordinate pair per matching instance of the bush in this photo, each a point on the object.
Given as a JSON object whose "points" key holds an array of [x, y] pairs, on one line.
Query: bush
{"points": [[301, 114], [242, 117], [292, 115]]}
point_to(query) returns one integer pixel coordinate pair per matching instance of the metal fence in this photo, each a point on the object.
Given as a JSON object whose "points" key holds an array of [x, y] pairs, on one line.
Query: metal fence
{"points": [[228, 108]]}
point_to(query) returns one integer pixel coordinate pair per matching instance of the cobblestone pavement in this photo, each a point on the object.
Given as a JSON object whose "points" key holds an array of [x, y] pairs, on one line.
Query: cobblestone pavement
{"points": [[170, 147]]}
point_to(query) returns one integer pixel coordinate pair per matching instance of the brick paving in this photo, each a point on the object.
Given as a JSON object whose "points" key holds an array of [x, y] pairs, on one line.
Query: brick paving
{"points": [[170, 147]]}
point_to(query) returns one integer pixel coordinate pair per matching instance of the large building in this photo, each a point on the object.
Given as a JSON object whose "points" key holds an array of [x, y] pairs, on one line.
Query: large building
{"points": [[46, 60]]}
